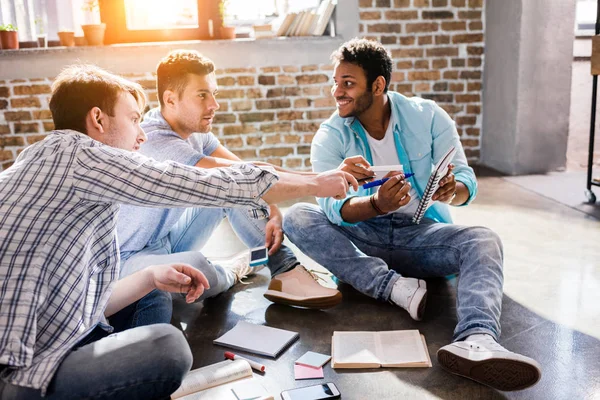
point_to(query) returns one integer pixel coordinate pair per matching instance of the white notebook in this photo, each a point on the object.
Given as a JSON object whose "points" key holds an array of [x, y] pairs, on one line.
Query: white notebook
{"points": [[258, 339], [440, 170]]}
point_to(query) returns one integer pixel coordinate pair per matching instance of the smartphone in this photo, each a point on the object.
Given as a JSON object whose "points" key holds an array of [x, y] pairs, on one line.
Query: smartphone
{"points": [[315, 392], [259, 256]]}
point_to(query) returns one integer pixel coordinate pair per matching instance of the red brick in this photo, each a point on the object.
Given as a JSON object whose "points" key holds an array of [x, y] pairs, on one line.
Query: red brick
{"points": [[439, 63], [306, 126], [401, 3], [454, 26], [240, 70], [3, 104], [293, 162], [289, 115], [438, 97], [4, 91], [440, 3], [48, 126], [32, 89], [17, 115], [450, 74], [423, 75], [311, 79], [320, 115], [470, 75], [407, 40], [303, 149], [466, 120], [402, 15], [459, 3], [383, 3], [440, 87], [276, 127], [266, 80], [257, 117], [225, 118], [226, 81], [469, 15], [275, 92], [28, 127], [422, 64], [437, 14], [233, 142], [472, 109], [327, 67], [276, 151], [6, 141], [4, 129], [468, 98], [31, 139], [442, 39], [404, 88], [291, 91], [475, 50], [254, 93], [290, 69], [238, 129], [472, 153], [389, 40], [408, 53], [243, 105], [404, 64], [421, 3], [6, 155], [268, 70], [468, 38], [289, 138], [422, 87], [457, 87], [451, 109], [425, 40], [254, 141], [473, 131], [474, 62], [231, 94], [365, 3], [369, 15], [422, 27], [268, 104], [385, 28], [272, 139], [475, 26], [25, 102], [286, 80], [458, 62], [324, 102], [475, 3], [246, 80], [249, 154], [302, 103]]}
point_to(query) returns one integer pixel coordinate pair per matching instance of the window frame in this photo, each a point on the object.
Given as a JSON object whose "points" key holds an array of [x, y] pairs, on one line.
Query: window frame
{"points": [[112, 13]]}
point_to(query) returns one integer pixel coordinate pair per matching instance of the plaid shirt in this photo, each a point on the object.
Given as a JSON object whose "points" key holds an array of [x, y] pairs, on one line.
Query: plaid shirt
{"points": [[58, 246]]}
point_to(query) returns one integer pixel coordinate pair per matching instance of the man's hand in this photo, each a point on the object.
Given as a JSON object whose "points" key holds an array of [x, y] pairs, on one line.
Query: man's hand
{"points": [[393, 194], [274, 230], [334, 184], [179, 278], [358, 167], [447, 189]]}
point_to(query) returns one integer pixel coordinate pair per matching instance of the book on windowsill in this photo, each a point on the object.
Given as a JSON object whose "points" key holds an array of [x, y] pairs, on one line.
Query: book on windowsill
{"points": [[397, 349], [257, 339], [226, 380]]}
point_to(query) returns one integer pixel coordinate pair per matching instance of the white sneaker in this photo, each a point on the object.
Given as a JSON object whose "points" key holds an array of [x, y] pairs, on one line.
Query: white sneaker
{"points": [[483, 360], [410, 294], [239, 266]]}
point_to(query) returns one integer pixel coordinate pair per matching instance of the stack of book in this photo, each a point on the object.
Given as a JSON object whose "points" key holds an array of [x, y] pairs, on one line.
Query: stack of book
{"points": [[310, 22]]}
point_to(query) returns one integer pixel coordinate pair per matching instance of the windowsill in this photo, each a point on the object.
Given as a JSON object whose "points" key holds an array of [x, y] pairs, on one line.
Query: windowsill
{"points": [[143, 57]]}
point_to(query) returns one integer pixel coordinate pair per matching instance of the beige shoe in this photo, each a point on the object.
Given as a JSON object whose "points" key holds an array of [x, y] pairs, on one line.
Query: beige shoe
{"points": [[299, 287], [239, 265]]}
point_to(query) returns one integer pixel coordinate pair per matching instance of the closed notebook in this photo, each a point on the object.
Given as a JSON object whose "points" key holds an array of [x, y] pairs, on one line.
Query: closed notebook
{"points": [[257, 339]]}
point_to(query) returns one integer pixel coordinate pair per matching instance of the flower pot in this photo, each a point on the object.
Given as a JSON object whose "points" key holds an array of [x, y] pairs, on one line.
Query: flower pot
{"points": [[42, 40], [67, 38], [228, 32], [9, 40], [94, 34], [79, 40]]}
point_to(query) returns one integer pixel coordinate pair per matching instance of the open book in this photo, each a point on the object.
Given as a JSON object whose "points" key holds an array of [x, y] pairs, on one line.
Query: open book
{"points": [[401, 349], [440, 170], [208, 383]]}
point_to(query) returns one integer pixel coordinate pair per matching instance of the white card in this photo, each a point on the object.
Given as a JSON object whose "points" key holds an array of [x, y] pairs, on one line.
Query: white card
{"points": [[312, 359]]}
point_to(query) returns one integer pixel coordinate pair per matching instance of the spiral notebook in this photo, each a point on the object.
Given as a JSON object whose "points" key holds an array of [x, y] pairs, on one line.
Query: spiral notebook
{"points": [[440, 170]]}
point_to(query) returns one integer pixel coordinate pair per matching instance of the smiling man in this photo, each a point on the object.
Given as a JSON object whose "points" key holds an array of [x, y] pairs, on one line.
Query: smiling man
{"points": [[368, 239], [180, 130]]}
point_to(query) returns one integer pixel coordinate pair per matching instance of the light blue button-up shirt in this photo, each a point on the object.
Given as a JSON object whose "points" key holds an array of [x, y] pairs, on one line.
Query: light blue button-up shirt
{"points": [[423, 133]]}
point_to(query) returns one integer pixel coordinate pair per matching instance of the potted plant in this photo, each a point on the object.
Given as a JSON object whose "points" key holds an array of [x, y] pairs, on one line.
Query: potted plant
{"points": [[42, 37], [9, 37], [67, 37], [93, 32], [225, 32]]}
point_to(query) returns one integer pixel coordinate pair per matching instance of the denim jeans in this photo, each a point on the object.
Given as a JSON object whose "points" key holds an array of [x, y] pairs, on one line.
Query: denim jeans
{"points": [[191, 233], [141, 360], [373, 254]]}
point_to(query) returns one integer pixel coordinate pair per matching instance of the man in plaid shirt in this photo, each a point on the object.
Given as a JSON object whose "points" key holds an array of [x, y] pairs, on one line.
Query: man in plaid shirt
{"points": [[59, 257]]}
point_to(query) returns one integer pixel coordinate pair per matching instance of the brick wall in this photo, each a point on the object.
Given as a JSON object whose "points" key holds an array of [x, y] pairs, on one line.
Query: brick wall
{"points": [[272, 113]]}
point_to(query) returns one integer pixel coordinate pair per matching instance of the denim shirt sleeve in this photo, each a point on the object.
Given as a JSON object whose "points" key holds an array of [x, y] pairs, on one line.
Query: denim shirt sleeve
{"points": [[445, 135], [327, 153]]}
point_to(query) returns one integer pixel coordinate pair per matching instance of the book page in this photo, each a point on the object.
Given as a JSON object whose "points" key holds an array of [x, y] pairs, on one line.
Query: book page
{"points": [[402, 347], [213, 375], [354, 349], [258, 339]]}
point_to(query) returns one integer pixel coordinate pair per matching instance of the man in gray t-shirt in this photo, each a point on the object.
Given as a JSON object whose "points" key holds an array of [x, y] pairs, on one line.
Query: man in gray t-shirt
{"points": [[180, 130]]}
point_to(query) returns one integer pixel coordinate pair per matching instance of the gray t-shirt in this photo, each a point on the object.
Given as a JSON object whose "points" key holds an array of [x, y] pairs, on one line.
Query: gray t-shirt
{"points": [[138, 227]]}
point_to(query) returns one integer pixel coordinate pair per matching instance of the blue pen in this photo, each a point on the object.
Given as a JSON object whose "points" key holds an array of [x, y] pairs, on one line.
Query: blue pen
{"points": [[380, 182]]}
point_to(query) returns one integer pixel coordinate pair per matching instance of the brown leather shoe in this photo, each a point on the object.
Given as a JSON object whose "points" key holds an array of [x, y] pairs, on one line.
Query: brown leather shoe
{"points": [[299, 287]]}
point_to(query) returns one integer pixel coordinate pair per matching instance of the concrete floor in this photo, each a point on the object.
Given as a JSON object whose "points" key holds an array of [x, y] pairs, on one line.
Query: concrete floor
{"points": [[551, 308]]}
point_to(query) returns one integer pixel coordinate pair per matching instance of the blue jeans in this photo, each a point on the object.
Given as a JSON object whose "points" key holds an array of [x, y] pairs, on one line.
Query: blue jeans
{"points": [[138, 361], [191, 233], [373, 254]]}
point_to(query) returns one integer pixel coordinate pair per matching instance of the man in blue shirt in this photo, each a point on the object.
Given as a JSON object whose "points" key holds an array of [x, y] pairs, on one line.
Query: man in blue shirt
{"points": [[369, 239], [180, 130]]}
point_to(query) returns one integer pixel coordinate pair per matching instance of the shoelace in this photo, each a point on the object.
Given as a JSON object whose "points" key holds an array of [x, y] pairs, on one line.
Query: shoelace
{"points": [[314, 274]]}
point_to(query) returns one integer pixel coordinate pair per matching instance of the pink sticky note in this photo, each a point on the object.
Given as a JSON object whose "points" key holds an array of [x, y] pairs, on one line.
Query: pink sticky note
{"points": [[304, 372]]}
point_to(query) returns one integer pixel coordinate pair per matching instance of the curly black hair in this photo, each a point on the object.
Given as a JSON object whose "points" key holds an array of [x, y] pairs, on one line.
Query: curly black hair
{"points": [[370, 55]]}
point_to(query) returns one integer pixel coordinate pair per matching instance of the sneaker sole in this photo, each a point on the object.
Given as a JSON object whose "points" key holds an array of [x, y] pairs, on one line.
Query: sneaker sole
{"points": [[313, 302], [499, 373]]}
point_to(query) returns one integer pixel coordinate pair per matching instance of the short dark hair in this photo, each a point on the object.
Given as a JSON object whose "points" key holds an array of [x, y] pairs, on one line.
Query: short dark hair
{"points": [[81, 87], [172, 71], [370, 55]]}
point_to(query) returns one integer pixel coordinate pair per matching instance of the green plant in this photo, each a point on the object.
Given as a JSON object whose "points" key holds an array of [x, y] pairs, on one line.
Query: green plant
{"points": [[8, 27], [39, 22], [223, 6], [91, 5]]}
